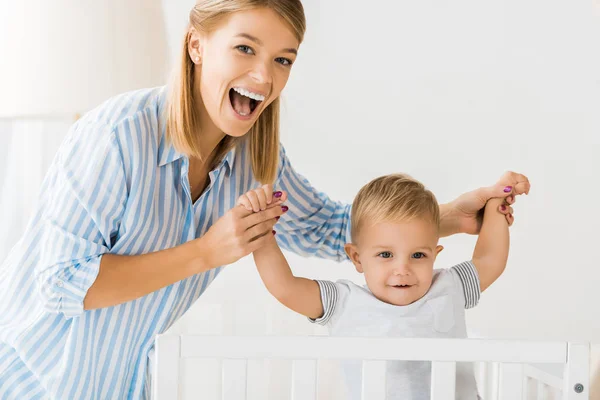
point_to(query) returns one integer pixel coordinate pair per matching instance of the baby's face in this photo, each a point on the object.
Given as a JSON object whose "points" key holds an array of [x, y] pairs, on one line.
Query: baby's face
{"points": [[397, 259]]}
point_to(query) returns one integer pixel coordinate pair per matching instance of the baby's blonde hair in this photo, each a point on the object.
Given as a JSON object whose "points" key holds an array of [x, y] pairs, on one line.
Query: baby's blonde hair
{"points": [[395, 198]]}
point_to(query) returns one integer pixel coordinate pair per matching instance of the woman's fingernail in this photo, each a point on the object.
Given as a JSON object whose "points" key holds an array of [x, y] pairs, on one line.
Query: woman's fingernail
{"points": [[274, 232], [277, 194], [277, 218], [503, 207], [284, 208], [508, 189]]}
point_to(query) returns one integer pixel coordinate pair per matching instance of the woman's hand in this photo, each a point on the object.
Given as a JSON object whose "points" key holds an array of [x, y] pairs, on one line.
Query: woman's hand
{"points": [[241, 231], [464, 214]]}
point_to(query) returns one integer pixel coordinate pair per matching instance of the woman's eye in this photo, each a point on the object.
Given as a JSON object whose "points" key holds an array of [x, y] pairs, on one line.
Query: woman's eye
{"points": [[418, 255], [245, 49], [283, 61], [385, 254]]}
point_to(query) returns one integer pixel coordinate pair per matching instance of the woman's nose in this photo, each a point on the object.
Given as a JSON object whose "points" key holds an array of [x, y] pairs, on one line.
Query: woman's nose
{"points": [[261, 73]]}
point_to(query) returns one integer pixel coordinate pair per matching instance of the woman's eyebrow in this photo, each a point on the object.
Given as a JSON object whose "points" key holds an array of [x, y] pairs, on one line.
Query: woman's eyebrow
{"points": [[260, 43]]}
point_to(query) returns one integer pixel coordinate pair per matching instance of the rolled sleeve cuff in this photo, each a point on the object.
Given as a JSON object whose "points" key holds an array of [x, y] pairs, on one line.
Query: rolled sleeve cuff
{"points": [[349, 226], [64, 290]]}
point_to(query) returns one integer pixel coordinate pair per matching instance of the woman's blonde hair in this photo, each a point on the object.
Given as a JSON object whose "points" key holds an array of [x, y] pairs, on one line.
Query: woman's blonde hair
{"points": [[182, 120], [396, 197]]}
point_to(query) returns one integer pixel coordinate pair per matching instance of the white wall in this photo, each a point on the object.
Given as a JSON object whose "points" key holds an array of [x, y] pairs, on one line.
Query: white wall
{"points": [[454, 94]]}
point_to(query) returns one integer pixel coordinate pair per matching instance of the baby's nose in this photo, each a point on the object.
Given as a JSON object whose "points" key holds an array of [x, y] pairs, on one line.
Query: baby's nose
{"points": [[402, 269]]}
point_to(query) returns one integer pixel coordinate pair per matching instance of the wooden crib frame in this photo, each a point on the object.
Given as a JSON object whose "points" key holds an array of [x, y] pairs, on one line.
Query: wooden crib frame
{"points": [[513, 359]]}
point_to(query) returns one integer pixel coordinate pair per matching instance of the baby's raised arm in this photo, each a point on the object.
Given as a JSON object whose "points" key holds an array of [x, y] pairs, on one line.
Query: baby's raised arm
{"points": [[491, 251], [298, 294]]}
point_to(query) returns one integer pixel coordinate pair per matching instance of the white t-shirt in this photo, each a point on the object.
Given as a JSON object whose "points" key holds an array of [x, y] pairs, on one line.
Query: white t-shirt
{"points": [[352, 310]]}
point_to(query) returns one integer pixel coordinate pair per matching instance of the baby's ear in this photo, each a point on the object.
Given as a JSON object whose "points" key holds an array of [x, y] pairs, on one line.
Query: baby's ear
{"points": [[438, 249], [352, 252]]}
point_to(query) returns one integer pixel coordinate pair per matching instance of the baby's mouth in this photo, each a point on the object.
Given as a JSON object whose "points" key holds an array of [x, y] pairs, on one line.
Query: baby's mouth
{"points": [[244, 102], [402, 286]]}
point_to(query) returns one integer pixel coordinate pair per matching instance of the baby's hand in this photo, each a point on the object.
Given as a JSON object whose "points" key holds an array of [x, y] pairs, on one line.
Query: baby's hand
{"points": [[262, 198]]}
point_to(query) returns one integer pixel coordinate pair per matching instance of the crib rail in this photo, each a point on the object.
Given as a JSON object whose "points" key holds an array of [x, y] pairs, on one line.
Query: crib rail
{"points": [[305, 351]]}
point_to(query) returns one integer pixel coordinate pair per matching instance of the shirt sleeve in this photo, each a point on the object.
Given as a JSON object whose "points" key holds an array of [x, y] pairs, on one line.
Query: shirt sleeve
{"points": [[84, 199], [467, 281], [330, 299], [314, 225]]}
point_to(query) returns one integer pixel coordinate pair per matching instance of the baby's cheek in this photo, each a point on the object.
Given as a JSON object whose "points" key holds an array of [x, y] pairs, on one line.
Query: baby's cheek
{"points": [[426, 284]]}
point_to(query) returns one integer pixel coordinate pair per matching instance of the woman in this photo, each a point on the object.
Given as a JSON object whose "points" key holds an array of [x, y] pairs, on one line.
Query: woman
{"points": [[136, 215]]}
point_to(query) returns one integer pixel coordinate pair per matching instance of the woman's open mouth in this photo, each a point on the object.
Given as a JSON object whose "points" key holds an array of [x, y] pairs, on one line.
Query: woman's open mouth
{"points": [[244, 102]]}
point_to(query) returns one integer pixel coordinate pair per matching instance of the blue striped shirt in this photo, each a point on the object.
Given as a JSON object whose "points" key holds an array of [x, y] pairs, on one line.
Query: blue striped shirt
{"points": [[117, 186]]}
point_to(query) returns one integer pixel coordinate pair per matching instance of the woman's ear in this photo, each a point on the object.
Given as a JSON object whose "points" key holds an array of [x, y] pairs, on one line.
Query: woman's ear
{"points": [[195, 46], [352, 252]]}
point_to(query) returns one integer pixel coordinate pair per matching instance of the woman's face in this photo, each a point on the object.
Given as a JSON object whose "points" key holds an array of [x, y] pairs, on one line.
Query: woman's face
{"points": [[243, 66]]}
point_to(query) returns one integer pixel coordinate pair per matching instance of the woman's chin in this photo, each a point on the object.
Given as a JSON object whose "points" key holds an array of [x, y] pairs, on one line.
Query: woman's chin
{"points": [[236, 128], [236, 125]]}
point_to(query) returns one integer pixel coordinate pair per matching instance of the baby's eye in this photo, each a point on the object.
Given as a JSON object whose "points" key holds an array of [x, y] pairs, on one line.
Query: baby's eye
{"points": [[385, 254], [418, 255]]}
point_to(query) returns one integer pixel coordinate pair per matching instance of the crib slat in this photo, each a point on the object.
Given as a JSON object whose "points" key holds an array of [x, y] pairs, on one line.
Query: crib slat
{"points": [[443, 380], [541, 392], [493, 383], [482, 374], [304, 380], [166, 367], [234, 379], [512, 377], [257, 381], [373, 380]]}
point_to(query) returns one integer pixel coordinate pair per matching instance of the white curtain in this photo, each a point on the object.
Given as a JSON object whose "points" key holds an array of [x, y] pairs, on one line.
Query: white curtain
{"points": [[27, 147]]}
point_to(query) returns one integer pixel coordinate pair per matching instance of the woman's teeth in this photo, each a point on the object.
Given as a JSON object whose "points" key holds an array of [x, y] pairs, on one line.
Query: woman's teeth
{"points": [[247, 93]]}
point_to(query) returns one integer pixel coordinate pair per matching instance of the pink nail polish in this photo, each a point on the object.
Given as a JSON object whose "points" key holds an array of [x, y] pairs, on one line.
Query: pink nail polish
{"points": [[277, 194], [277, 218], [284, 208], [274, 232], [508, 189], [503, 207]]}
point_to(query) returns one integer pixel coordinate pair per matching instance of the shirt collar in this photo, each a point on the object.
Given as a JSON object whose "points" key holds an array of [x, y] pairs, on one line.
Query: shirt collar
{"points": [[167, 153]]}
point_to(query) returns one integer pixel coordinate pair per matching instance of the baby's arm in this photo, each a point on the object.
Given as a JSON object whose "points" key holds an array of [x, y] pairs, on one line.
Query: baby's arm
{"points": [[298, 294], [491, 251]]}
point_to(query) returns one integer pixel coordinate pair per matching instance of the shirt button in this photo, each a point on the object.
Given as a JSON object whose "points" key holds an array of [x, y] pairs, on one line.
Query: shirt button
{"points": [[59, 284]]}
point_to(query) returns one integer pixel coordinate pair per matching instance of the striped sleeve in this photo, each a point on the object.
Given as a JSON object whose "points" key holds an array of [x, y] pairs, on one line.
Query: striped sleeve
{"points": [[315, 225], [329, 299], [83, 205], [469, 280]]}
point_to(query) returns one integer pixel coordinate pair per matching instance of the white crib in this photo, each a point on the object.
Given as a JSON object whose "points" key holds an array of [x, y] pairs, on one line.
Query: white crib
{"points": [[505, 369]]}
